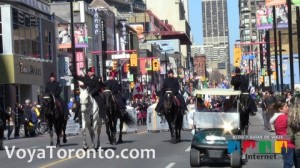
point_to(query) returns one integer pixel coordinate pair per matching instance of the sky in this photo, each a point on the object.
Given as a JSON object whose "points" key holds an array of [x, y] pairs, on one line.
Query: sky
{"points": [[196, 22]]}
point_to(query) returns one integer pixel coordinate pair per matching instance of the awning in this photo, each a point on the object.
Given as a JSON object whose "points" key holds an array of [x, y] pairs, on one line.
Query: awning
{"points": [[182, 36]]}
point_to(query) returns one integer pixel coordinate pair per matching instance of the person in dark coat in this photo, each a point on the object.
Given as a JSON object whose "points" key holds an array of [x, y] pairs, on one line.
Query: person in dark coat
{"points": [[113, 85], [240, 82], [53, 87], [172, 84], [3, 117], [92, 82]]}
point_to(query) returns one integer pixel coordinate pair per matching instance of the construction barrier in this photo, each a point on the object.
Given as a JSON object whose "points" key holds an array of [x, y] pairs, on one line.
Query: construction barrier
{"points": [[154, 122], [132, 128]]}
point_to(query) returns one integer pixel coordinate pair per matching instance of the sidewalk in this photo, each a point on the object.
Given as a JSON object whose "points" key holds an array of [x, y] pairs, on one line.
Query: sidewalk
{"points": [[256, 124]]}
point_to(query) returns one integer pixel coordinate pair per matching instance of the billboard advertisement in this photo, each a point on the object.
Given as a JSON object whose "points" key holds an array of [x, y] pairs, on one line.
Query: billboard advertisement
{"points": [[296, 2], [264, 16], [275, 2], [80, 35], [139, 28], [168, 46]]}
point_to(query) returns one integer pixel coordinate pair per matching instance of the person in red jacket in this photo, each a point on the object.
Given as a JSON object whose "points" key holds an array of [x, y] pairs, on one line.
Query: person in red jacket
{"points": [[280, 121]]}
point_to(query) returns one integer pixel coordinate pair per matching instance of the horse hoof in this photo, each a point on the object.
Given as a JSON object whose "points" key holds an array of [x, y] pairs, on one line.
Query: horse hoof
{"points": [[120, 141], [114, 143], [85, 148], [65, 140], [51, 143], [57, 145]]}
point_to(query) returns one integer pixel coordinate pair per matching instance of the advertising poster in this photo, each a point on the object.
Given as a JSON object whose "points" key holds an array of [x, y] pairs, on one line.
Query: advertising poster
{"points": [[275, 2], [168, 46], [139, 28], [264, 16], [80, 35]]}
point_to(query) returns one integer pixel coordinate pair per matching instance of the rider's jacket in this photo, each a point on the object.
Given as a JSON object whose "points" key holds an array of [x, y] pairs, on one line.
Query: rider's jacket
{"points": [[91, 82], [113, 85], [53, 87], [172, 84], [240, 82]]}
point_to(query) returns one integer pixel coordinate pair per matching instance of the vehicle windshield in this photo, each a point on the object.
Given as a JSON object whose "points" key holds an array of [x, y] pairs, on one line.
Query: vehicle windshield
{"points": [[216, 103]]}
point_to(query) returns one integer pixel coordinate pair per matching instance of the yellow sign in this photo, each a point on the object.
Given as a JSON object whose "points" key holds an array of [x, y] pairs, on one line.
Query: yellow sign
{"points": [[133, 60], [237, 56], [156, 65], [115, 65], [127, 66], [132, 85]]}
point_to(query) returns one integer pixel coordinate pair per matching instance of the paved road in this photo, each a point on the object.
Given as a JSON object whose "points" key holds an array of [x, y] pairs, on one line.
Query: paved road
{"points": [[166, 155]]}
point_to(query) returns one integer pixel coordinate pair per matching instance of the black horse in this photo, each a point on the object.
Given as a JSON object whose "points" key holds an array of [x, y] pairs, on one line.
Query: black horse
{"points": [[246, 106], [114, 113], [172, 111], [55, 117]]}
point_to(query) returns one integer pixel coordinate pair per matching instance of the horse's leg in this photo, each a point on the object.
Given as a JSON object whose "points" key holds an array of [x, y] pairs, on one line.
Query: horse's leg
{"points": [[64, 131], [121, 128], [98, 126], [58, 133], [114, 130], [84, 145], [107, 125], [50, 125]]}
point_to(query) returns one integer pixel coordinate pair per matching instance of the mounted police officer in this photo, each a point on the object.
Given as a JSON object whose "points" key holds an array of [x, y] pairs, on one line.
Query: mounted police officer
{"points": [[172, 84], [53, 87], [239, 81], [93, 84], [113, 85]]}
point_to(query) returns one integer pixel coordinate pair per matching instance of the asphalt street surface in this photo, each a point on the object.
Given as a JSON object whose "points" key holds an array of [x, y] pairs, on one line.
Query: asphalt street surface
{"points": [[165, 155]]}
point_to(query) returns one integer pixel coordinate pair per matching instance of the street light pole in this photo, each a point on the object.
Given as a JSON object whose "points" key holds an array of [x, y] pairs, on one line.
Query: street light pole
{"points": [[275, 47], [73, 47], [289, 3], [280, 59], [166, 65]]}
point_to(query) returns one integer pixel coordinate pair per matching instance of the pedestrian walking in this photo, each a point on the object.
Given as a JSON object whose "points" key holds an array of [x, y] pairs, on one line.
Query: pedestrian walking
{"points": [[294, 126], [10, 121], [280, 121]]}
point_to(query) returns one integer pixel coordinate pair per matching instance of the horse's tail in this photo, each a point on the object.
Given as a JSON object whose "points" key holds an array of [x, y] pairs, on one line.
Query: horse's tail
{"points": [[128, 120]]}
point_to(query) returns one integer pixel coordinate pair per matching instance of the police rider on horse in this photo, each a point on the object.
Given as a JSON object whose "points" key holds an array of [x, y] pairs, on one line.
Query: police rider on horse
{"points": [[172, 84], [92, 82], [113, 85], [53, 87], [241, 82]]}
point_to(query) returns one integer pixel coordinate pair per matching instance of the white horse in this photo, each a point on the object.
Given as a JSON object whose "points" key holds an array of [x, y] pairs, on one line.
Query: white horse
{"points": [[91, 119]]}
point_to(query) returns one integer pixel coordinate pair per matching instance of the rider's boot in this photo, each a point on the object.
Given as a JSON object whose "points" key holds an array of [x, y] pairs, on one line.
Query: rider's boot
{"points": [[105, 119]]}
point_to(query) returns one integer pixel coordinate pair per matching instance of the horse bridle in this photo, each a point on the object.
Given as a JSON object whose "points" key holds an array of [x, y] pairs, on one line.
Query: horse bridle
{"points": [[48, 97]]}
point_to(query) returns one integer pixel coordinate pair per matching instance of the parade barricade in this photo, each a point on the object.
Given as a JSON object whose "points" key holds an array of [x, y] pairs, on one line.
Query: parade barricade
{"points": [[129, 129], [72, 127], [154, 122], [188, 118]]}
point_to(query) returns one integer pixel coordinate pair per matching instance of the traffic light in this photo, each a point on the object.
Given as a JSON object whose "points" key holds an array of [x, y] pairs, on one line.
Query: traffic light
{"points": [[155, 65], [237, 56], [133, 60], [127, 67], [115, 65]]}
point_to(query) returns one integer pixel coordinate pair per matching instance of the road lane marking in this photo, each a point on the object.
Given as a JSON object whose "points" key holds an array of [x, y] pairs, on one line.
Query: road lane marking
{"points": [[59, 161], [142, 132], [188, 149], [170, 165], [71, 137], [33, 147]]}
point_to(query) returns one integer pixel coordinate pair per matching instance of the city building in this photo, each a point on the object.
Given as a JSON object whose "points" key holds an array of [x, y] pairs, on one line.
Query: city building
{"points": [[215, 34], [27, 50]]}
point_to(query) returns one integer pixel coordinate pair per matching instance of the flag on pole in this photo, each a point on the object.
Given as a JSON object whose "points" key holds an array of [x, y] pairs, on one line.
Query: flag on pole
{"points": [[138, 91]]}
